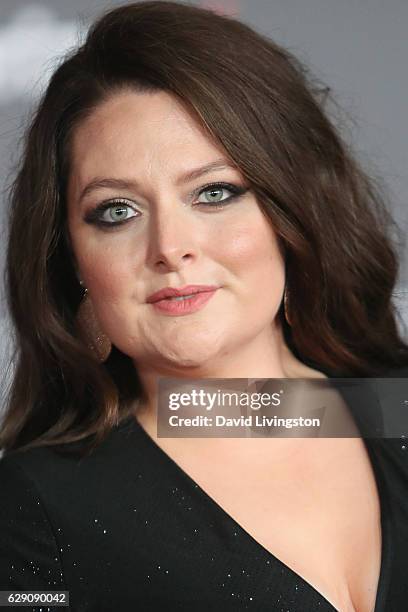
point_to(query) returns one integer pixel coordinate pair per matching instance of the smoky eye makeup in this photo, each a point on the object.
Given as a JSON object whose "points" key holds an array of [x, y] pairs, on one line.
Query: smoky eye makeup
{"points": [[118, 211]]}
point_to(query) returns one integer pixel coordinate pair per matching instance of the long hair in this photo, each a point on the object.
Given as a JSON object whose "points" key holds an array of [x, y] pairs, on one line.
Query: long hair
{"points": [[259, 104]]}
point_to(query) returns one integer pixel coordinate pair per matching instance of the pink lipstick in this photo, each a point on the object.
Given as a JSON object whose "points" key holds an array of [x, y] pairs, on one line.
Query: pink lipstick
{"points": [[183, 300]]}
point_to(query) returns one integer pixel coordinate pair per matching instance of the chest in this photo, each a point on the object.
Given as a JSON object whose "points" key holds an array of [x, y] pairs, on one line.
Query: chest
{"points": [[316, 509]]}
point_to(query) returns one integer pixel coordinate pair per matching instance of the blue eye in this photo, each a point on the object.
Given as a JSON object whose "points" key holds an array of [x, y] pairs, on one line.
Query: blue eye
{"points": [[118, 211], [213, 194], [114, 212]]}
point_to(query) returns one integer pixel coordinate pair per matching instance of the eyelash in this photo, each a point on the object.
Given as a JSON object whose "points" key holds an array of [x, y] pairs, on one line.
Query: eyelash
{"points": [[94, 216]]}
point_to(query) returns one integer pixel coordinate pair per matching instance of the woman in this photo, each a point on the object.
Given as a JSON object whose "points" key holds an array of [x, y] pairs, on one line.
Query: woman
{"points": [[178, 147]]}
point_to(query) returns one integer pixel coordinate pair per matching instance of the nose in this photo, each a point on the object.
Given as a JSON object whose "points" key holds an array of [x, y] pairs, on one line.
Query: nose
{"points": [[172, 238]]}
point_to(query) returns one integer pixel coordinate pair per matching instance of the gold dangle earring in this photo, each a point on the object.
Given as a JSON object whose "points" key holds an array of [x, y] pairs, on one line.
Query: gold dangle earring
{"points": [[286, 305], [89, 329]]}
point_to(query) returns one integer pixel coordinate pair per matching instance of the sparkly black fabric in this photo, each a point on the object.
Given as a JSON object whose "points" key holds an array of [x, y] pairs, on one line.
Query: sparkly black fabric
{"points": [[127, 530]]}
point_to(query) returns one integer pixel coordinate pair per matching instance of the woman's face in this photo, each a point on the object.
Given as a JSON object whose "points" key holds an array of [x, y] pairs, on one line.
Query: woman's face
{"points": [[163, 229]]}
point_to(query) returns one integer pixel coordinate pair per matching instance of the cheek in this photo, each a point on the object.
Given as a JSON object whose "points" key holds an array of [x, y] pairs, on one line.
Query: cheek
{"points": [[105, 268], [111, 284], [252, 253]]}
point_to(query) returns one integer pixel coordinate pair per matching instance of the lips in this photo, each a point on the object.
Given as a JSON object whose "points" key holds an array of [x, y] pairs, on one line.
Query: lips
{"points": [[169, 292]]}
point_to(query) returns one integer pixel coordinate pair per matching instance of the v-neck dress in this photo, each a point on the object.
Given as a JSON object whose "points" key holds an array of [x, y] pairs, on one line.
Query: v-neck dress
{"points": [[128, 530]]}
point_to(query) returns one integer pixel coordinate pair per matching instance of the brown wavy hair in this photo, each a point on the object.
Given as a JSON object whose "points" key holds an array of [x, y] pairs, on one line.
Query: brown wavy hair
{"points": [[263, 108]]}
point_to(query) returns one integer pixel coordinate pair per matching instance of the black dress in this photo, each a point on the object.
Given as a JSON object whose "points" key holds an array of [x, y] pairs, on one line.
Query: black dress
{"points": [[127, 530]]}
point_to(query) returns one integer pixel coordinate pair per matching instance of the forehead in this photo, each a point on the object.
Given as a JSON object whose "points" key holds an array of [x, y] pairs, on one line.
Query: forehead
{"points": [[134, 130]]}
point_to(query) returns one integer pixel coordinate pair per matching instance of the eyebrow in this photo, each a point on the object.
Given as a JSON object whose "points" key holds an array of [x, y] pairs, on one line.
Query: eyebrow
{"points": [[190, 175]]}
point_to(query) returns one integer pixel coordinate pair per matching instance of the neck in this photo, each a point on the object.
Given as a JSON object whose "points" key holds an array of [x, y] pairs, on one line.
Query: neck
{"points": [[267, 356]]}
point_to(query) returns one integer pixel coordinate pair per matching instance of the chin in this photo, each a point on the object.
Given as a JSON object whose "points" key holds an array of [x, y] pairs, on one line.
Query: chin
{"points": [[190, 360]]}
